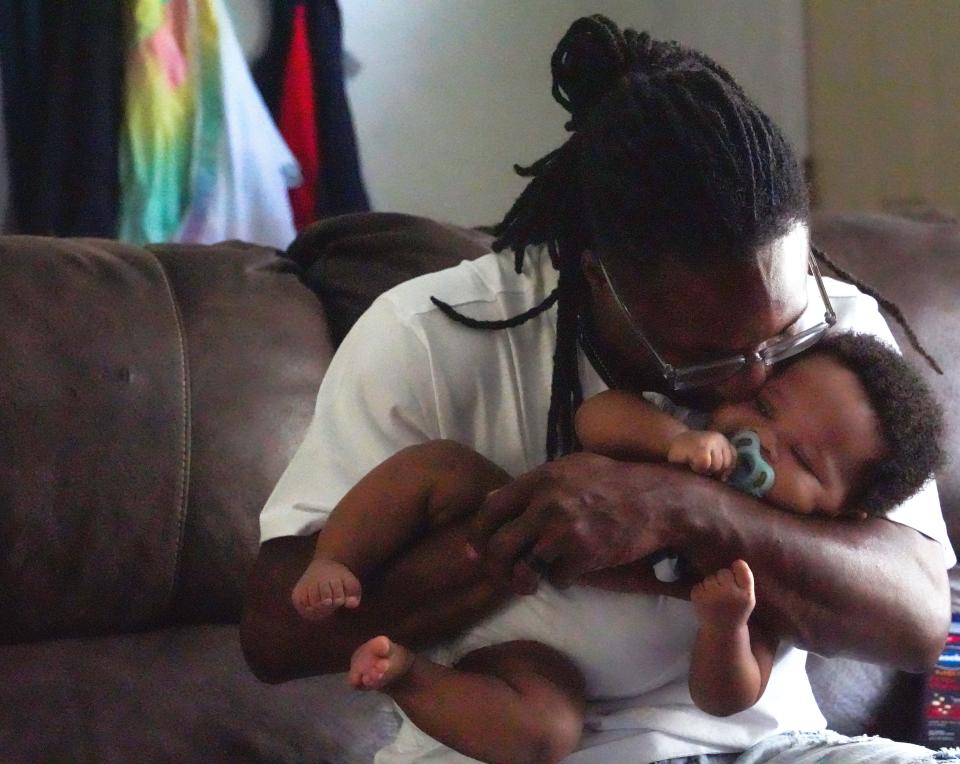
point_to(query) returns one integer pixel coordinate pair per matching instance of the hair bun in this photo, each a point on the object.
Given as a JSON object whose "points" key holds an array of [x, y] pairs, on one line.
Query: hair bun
{"points": [[594, 55], [585, 65]]}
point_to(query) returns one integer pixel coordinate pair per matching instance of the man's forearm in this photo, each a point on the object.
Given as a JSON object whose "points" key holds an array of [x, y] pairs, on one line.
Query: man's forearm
{"points": [[827, 585], [871, 589], [411, 602]]}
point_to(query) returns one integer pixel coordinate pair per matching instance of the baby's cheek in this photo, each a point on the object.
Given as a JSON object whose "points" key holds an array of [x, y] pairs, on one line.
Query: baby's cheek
{"points": [[789, 493]]}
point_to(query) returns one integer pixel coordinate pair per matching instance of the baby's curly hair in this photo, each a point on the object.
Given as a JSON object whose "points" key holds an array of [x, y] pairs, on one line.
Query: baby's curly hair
{"points": [[910, 418]]}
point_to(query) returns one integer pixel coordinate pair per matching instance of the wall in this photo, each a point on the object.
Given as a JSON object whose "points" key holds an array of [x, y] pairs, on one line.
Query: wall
{"points": [[451, 93], [884, 92], [251, 20]]}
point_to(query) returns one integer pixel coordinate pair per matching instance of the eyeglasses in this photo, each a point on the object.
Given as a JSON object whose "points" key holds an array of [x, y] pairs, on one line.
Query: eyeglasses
{"points": [[770, 352]]}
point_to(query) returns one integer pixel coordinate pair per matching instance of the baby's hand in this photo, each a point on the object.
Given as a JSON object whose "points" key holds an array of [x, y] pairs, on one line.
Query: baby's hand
{"points": [[726, 598], [325, 586], [704, 451]]}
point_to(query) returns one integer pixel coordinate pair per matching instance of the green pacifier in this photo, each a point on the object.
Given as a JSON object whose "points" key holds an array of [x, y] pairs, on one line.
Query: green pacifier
{"points": [[752, 474]]}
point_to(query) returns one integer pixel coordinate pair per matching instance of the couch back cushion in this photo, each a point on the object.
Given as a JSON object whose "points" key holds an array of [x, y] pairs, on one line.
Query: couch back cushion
{"points": [[149, 400], [351, 259], [916, 264]]}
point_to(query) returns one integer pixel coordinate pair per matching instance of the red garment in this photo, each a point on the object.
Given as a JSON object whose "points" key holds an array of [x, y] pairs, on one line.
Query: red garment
{"points": [[298, 122]]}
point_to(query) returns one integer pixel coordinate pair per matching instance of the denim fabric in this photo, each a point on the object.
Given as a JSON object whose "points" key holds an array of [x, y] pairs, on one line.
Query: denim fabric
{"points": [[824, 747]]}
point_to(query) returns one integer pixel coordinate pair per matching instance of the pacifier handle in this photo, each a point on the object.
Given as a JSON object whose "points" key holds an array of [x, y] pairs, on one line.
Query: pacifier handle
{"points": [[752, 474]]}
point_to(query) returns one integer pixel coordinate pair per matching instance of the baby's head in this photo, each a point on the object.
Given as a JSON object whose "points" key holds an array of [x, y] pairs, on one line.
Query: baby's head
{"points": [[849, 427]]}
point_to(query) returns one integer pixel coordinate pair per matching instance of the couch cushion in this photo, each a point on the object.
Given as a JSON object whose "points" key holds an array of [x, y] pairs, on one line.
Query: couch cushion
{"points": [[350, 260], [258, 346], [916, 264], [180, 695], [92, 437], [862, 698], [149, 401]]}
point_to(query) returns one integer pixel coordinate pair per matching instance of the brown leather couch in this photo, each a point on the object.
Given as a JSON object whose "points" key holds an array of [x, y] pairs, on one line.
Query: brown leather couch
{"points": [[149, 400]]}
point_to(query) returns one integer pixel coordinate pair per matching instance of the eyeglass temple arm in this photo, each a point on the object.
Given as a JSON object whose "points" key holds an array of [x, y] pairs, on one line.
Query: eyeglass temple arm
{"points": [[666, 369], [830, 316]]}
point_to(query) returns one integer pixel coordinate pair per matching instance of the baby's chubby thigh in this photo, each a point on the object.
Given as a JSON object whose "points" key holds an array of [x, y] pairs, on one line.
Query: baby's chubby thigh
{"points": [[623, 644]]}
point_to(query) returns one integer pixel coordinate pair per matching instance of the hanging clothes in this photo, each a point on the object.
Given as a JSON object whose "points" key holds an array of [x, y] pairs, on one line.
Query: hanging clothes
{"points": [[298, 120], [254, 167], [63, 69], [172, 93], [339, 186], [201, 159]]}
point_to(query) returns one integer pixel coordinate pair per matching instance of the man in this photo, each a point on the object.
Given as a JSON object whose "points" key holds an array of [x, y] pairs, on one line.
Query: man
{"points": [[697, 214]]}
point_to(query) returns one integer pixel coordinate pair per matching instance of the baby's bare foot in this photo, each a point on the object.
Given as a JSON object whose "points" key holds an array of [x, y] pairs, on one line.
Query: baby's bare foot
{"points": [[726, 598], [377, 663], [323, 587]]}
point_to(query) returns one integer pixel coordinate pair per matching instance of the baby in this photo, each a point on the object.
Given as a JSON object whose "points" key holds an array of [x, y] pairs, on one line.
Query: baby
{"points": [[845, 430]]}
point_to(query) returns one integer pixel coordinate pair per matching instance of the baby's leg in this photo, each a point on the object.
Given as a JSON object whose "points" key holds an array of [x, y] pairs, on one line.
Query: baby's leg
{"points": [[419, 488], [731, 659], [529, 693]]}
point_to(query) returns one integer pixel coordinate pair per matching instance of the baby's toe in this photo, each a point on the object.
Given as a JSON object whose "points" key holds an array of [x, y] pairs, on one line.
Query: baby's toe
{"points": [[742, 575], [326, 594], [336, 591], [725, 577], [351, 591]]}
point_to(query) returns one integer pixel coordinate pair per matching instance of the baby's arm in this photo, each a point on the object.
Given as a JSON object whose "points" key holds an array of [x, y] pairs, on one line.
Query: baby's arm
{"points": [[624, 426], [731, 659], [421, 487], [519, 701]]}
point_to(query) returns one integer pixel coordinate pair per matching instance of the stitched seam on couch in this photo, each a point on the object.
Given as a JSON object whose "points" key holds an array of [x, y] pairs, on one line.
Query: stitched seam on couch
{"points": [[183, 488]]}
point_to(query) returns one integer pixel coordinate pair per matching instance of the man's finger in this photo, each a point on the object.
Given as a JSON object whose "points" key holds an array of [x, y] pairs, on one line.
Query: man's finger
{"points": [[555, 548], [716, 459], [526, 576], [512, 543], [498, 508]]}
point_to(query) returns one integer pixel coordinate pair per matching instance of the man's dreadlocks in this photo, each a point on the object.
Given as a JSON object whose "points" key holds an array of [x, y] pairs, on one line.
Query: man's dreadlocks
{"points": [[667, 157]]}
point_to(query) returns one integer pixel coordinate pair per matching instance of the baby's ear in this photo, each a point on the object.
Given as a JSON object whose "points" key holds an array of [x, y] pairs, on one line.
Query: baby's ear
{"points": [[857, 514]]}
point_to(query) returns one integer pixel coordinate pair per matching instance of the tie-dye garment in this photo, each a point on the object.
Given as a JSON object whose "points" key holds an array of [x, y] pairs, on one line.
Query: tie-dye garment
{"points": [[200, 159], [249, 198], [173, 116]]}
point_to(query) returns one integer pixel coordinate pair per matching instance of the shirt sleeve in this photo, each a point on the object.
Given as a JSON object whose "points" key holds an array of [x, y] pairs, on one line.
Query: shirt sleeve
{"points": [[376, 398]]}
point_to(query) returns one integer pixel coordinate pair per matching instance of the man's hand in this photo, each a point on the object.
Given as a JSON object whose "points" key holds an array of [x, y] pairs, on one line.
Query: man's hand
{"points": [[575, 515], [820, 583]]}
